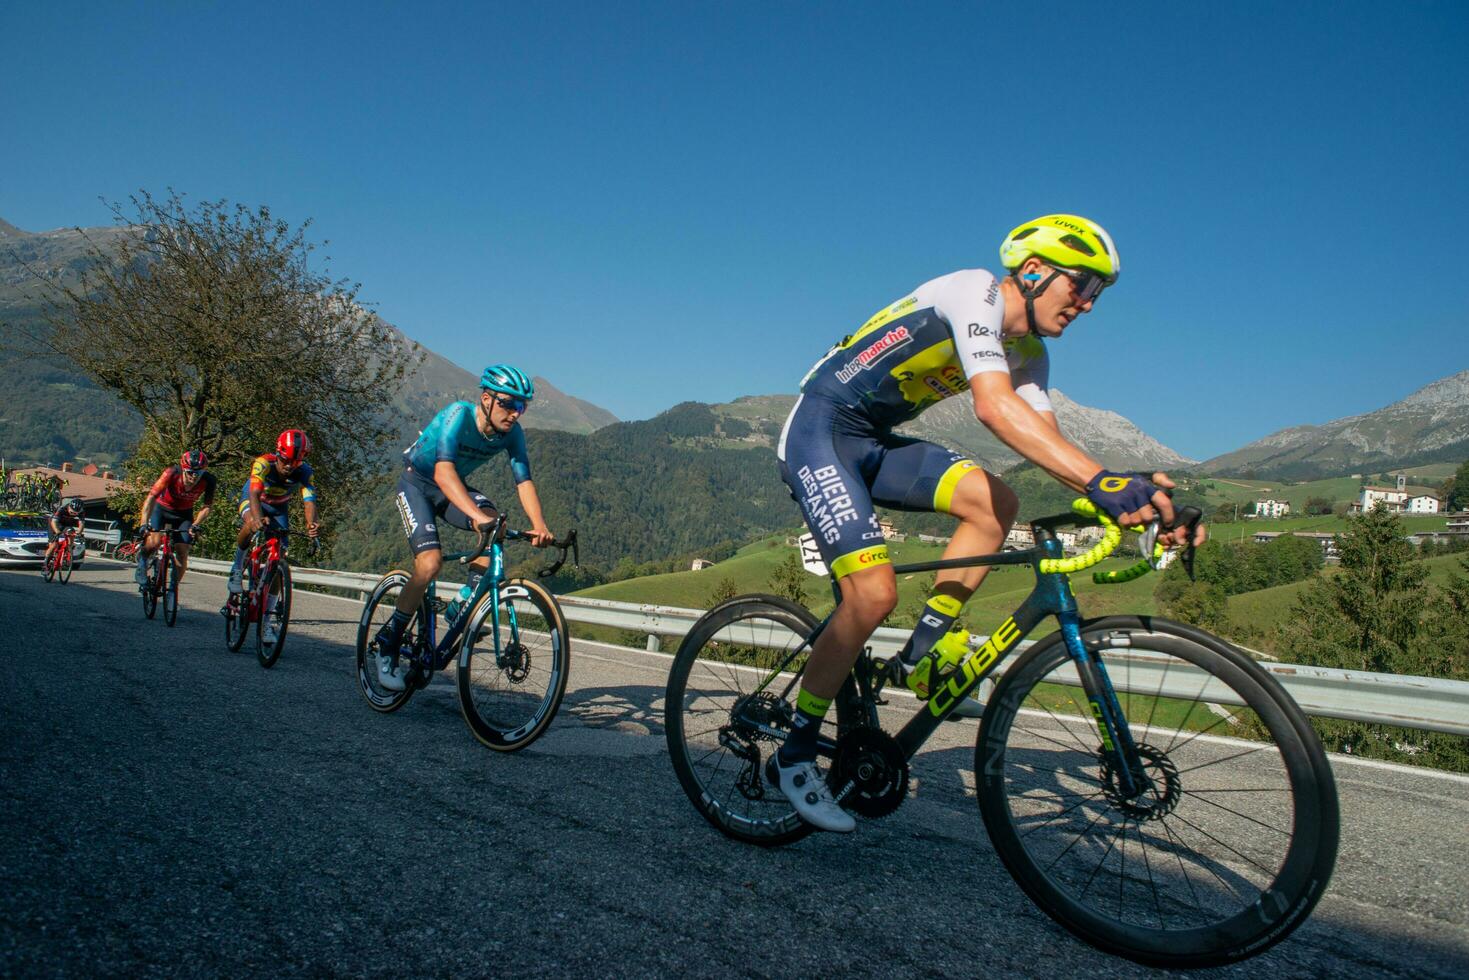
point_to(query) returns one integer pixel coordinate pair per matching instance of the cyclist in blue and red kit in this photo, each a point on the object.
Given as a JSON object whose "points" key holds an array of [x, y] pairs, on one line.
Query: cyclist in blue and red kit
{"points": [[460, 438]]}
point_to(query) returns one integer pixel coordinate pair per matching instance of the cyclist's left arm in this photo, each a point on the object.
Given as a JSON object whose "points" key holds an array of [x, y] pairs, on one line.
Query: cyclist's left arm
{"points": [[308, 500], [525, 488]]}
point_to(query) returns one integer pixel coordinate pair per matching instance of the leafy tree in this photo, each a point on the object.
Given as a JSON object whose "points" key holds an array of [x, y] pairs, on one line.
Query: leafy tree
{"points": [[789, 578], [1366, 616], [724, 590], [1203, 604], [211, 321], [1318, 506], [1458, 489]]}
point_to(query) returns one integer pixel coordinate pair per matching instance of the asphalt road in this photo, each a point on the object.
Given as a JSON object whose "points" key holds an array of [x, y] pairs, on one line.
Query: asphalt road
{"points": [[171, 808]]}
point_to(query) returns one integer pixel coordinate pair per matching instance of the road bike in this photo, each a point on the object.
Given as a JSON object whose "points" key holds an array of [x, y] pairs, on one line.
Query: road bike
{"points": [[266, 600], [1148, 785], [162, 573], [510, 638], [58, 566]]}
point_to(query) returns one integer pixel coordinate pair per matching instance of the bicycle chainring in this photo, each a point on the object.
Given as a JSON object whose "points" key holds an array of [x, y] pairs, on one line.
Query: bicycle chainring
{"points": [[1160, 795], [869, 773]]}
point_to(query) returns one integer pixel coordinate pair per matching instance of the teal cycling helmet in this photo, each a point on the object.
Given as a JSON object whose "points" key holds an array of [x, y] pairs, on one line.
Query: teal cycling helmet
{"points": [[507, 380]]}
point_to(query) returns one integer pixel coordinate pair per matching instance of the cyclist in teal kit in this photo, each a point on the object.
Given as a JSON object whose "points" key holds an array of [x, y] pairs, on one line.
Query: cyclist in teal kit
{"points": [[461, 438]]}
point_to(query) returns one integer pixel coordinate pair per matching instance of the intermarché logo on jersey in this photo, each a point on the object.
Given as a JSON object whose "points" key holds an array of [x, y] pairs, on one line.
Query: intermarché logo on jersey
{"points": [[828, 504], [888, 342]]}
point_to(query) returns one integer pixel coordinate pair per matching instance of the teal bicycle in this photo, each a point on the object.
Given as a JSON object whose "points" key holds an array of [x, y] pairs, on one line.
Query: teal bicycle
{"points": [[509, 642], [1148, 785]]}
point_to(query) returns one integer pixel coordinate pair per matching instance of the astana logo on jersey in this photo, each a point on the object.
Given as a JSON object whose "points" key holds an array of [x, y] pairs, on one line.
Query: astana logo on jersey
{"points": [[873, 352]]}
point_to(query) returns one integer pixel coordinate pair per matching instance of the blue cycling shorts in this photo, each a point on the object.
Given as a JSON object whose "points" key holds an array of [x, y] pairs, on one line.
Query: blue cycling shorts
{"points": [[839, 466], [277, 514], [421, 501]]}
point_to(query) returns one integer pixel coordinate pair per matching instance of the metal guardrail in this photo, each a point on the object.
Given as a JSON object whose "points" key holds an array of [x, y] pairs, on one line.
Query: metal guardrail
{"points": [[1426, 703], [105, 533]]}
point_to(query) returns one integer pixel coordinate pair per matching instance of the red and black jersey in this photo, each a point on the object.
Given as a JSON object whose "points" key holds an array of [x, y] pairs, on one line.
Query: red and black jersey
{"points": [[171, 492], [64, 517]]}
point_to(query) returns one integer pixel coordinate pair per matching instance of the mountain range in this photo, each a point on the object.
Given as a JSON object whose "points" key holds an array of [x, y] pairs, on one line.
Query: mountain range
{"points": [[53, 413], [1429, 426]]}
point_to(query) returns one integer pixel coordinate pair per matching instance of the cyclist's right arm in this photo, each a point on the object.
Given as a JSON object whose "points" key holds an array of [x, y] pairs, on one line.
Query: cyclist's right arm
{"points": [[446, 450], [258, 471], [448, 479], [1029, 432], [159, 485]]}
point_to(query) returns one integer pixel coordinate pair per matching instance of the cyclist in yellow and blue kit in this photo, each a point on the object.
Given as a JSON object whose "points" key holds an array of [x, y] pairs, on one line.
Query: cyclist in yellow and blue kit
{"points": [[461, 437], [968, 331], [266, 495]]}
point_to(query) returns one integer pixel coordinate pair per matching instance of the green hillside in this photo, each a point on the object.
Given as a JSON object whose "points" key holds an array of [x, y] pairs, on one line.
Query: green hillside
{"points": [[1261, 611], [750, 570]]}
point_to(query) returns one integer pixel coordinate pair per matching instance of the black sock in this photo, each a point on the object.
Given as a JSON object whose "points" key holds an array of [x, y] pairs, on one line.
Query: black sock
{"points": [[800, 745]]}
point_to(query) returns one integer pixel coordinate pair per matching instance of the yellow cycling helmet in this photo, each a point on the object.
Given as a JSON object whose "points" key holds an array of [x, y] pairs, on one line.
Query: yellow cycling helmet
{"points": [[1065, 240]]}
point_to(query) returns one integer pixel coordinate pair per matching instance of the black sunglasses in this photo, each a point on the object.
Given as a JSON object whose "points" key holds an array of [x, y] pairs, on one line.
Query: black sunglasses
{"points": [[517, 405], [1088, 284]]}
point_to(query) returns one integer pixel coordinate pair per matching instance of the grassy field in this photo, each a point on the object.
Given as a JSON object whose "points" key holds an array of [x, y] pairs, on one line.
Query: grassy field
{"points": [[1268, 608]]}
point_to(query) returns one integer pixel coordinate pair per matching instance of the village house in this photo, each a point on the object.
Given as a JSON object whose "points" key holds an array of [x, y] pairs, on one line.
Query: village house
{"points": [[1272, 508]]}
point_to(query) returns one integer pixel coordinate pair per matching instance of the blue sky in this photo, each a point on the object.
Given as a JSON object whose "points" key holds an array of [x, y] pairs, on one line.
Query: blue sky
{"points": [[649, 203]]}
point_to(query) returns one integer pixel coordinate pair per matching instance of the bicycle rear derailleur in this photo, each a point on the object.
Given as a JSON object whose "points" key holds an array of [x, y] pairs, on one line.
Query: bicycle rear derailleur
{"points": [[869, 773]]}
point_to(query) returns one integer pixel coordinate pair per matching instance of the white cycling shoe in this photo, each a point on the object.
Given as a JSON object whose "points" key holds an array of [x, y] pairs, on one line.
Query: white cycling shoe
{"points": [[804, 786], [237, 582], [387, 678], [268, 634]]}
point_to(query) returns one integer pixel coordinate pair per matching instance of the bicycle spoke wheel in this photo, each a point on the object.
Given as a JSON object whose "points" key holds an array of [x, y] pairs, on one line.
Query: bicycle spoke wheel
{"points": [[728, 707], [275, 614], [63, 572], [50, 568], [170, 592], [375, 614], [236, 621], [509, 691], [150, 590], [1233, 837]]}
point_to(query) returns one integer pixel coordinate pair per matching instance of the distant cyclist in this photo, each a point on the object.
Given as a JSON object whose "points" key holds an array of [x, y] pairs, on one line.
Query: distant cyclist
{"points": [[266, 495], [460, 438], [967, 331], [170, 506], [69, 514]]}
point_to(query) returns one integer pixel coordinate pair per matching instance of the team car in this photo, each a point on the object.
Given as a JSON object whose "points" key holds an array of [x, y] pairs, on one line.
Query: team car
{"points": [[23, 538]]}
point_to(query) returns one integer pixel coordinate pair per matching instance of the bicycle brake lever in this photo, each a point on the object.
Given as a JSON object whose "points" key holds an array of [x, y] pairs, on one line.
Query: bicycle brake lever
{"points": [[1149, 544]]}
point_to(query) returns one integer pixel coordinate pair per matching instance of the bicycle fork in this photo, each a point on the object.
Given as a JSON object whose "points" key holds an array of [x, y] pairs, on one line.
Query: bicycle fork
{"points": [[1112, 727]]}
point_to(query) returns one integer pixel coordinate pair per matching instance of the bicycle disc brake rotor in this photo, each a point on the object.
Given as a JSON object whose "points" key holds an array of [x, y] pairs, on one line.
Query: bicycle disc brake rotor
{"points": [[869, 774], [1162, 787], [515, 662]]}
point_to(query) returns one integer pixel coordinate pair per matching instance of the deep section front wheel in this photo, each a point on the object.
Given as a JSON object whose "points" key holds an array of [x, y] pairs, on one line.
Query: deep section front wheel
{"points": [[729, 704], [63, 572], [375, 613], [509, 690], [275, 614], [150, 588], [1232, 837], [170, 592]]}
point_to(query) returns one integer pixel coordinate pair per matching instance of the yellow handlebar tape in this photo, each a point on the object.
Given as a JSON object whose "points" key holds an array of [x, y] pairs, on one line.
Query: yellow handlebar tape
{"points": [[1111, 538]]}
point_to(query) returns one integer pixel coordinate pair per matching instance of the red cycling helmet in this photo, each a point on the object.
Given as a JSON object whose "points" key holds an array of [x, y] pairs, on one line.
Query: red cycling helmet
{"points": [[292, 447], [193, 460]]}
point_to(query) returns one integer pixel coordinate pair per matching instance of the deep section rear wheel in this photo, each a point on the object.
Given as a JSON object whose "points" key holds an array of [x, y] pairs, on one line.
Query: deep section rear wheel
{"points": [[509, 691], [1234, 836], [275, 614], [729, 704], [375, 614]]}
